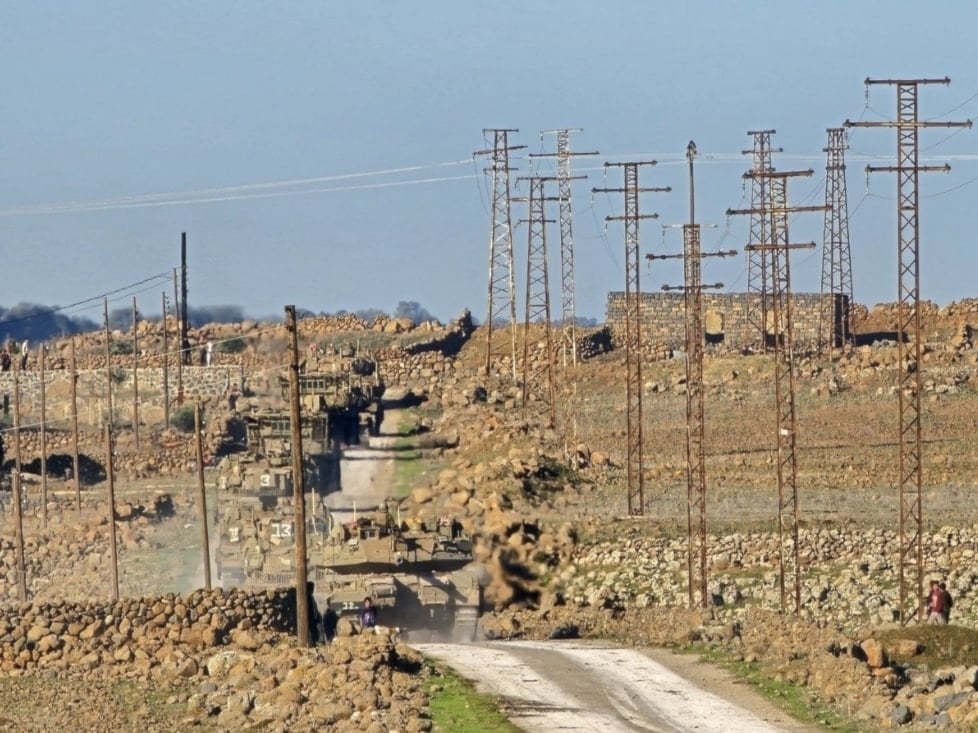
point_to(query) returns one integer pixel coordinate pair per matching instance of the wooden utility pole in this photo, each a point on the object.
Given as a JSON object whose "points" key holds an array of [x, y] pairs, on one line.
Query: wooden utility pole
{"points": [[184, 341], [110, 474], [108, 366], [74, 424], [135, 374], [109, 471], [298, 484], [166, 373], [176, 312], [205, 546], [44, 444], [18, 509]]}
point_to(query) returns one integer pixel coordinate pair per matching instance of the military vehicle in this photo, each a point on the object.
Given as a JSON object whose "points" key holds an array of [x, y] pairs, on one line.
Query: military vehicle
{"points": [[349, 390], [417, 577], [420, 578]]}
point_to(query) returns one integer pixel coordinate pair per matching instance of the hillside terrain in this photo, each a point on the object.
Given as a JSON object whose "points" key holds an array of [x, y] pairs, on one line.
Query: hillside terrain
{"points": [[547, 507]]}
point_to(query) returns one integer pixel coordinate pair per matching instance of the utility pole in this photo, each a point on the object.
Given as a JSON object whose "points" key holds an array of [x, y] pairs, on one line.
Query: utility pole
{"points": [[568, 308], [44, 438], [633, 326], [181, 351], [184, 341], [18, 495], [166, 372], [74, 425], [758, 260], [908, 170], [302, 599], [835, 326], [537, 308], [502, 279], [786, 424], [202, 497], [135, 374], [109, 462], [693, 288]]}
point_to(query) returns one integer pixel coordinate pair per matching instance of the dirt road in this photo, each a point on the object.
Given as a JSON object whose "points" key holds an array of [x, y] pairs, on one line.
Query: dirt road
{"points": [[584, 686]]}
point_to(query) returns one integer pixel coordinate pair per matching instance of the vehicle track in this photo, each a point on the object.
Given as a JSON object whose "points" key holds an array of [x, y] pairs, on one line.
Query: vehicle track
{"points": [[584, 686]]}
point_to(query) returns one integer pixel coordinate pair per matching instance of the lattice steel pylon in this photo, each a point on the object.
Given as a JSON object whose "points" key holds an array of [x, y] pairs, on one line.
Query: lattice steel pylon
{"points": [[693, 288], [757, 297], [635, 471], [537, 310], [908, 170], [835, 304], [502, 281], [568, 307], [779, 248]]}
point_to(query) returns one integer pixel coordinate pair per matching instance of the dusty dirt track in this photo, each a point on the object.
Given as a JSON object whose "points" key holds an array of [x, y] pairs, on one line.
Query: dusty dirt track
{"points": [[583, 686]]}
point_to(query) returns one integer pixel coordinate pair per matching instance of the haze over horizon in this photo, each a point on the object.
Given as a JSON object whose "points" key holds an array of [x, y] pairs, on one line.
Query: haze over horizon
{"points": [[321, 153]]}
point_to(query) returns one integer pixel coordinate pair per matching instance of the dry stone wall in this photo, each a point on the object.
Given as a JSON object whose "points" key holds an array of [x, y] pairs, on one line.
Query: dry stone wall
{"points": [[62, 634], [204, 382], [725, 316]]}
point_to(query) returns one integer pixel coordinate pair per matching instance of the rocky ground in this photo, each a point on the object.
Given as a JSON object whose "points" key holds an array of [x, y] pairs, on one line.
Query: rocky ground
{"points": [[547, 506]]}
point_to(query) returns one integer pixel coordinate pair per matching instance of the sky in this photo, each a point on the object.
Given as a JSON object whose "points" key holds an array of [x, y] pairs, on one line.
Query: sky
{"points": [[320, 153]]}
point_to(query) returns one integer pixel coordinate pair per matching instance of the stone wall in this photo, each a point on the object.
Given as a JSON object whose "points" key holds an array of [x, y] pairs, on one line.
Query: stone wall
{"points": [[63, 634], [206, 382], [725, 317]]}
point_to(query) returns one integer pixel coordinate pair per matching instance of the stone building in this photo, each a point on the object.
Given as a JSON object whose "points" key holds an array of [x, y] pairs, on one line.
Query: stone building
{"points": [[725, 318]]}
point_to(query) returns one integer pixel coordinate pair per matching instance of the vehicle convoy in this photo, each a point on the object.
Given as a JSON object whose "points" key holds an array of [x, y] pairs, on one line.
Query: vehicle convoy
{"points": [[419, 576]]}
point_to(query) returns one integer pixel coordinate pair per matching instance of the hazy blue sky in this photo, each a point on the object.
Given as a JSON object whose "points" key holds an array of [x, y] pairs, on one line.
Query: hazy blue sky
{"points": [[194, 105]]}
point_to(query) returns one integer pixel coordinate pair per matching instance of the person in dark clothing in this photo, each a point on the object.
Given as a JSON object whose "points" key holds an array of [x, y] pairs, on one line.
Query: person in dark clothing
{"points": [[368, 615], [315, 622], [948, 601], [330, 621]]}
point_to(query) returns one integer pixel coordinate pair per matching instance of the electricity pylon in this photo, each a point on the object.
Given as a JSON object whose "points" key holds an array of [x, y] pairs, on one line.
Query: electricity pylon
{"points": [[758, 260], [635, 471], [537, 308], [502, 281], [835, 327], [568, 309], [779, 249], [693, 288], [908, 170]]}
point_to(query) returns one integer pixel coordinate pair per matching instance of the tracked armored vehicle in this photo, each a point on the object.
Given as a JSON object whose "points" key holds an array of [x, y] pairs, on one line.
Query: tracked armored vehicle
{"points": [[418, 579], [348, 390]]}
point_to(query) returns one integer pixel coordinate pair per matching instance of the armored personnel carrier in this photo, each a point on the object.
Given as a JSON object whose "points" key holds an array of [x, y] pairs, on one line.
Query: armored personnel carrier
{"points": [[348, 389], [264, 471], [419, 578]]}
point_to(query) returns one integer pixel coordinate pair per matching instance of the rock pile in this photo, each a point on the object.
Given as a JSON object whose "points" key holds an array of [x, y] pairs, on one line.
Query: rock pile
{"points": [[67, 636], [223, 656]]}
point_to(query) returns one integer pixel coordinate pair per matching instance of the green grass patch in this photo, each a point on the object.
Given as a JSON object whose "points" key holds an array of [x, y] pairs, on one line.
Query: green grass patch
{"points": [[942, 646], [410, 468], [795, 700], [458, 708]]}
